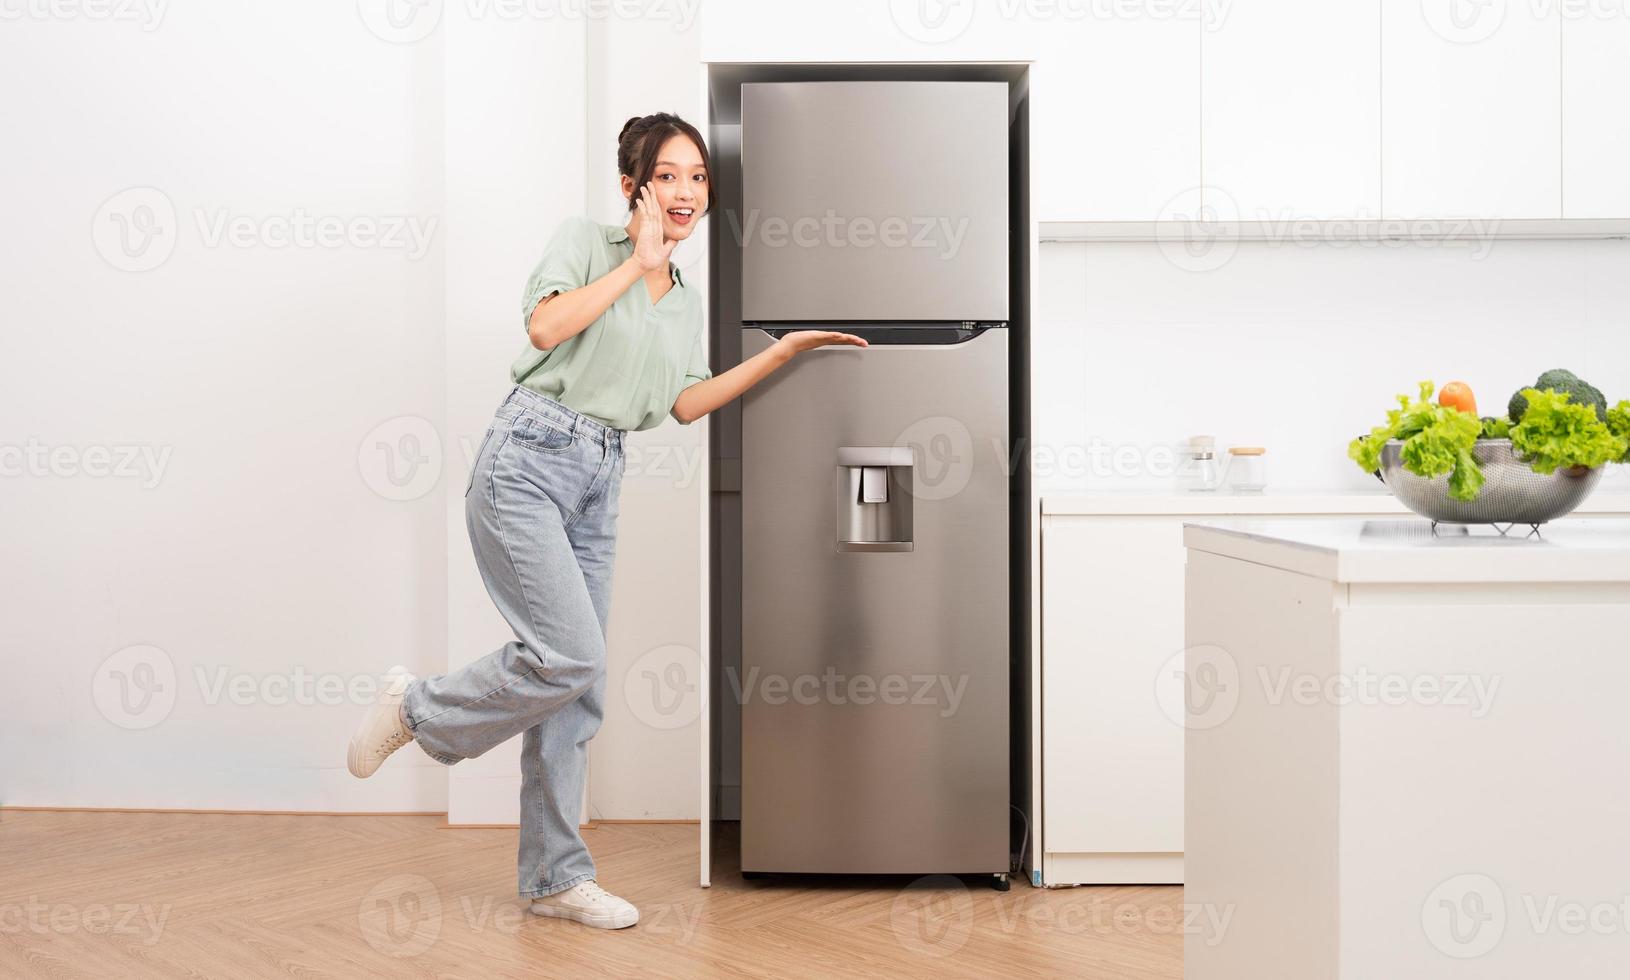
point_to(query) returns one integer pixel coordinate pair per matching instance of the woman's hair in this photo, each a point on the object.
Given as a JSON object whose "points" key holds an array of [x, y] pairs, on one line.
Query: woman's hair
{"points": [[641, 139]]}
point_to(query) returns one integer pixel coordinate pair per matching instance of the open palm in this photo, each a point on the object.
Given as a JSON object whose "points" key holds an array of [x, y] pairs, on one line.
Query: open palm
{"points": [[802, 340], [651, 251]]}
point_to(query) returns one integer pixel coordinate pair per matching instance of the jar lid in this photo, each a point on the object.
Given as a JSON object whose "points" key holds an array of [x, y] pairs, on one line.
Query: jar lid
{"points": [[1202, 442], [1246, 450]]}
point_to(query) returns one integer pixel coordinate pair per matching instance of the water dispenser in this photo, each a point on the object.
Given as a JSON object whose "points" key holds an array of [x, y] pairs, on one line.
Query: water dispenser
{"points": [[874, 498]]}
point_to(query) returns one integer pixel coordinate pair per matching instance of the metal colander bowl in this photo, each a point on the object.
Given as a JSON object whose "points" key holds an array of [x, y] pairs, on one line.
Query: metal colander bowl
{"points": [[1512, 492]]}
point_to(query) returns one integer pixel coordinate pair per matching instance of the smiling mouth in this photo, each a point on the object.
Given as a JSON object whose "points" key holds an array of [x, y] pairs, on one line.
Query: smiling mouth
{"points": [[681, 215]]}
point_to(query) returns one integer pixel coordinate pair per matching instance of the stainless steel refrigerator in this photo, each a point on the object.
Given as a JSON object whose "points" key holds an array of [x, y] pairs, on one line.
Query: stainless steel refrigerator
{"points": [[875, 482]]}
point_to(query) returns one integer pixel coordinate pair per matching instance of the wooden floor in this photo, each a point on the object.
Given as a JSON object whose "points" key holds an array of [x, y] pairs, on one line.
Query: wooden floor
{"points": [[205, 895]]}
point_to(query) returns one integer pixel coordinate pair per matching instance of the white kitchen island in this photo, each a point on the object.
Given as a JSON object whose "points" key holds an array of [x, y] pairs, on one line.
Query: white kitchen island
{"points": [[1407, 755]]}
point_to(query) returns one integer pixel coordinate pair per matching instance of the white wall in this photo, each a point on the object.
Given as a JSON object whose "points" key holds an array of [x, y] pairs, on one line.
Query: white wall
{"points": [[265, 552], [314, 409], [1300, 347]]}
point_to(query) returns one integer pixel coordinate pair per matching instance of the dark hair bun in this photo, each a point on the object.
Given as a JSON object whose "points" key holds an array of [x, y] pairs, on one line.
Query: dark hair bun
{"points": [[626, 127]]}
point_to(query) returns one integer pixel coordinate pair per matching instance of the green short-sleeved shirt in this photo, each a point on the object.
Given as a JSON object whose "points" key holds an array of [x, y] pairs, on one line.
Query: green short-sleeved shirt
{"points": [[627, 367]]}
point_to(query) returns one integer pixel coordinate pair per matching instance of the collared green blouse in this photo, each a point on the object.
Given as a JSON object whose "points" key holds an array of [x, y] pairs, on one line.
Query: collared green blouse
{"points": [[627, 367]]}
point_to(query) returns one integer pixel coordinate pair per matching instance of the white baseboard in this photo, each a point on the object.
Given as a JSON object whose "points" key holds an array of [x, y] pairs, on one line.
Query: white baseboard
{"points": [[1078, 868]]}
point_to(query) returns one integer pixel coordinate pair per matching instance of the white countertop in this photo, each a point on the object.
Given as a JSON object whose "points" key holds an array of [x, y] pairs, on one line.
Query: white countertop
{"points": [[1575, 549], [1113, 503]]}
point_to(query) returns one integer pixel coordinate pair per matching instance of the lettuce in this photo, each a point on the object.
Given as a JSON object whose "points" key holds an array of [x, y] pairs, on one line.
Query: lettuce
{"points": [[1437, 439], [1557, 432], [1618, 422]]}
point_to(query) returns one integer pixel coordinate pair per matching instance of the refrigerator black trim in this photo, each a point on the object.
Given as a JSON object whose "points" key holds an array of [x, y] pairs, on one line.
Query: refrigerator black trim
{"points": [[889, 332]]}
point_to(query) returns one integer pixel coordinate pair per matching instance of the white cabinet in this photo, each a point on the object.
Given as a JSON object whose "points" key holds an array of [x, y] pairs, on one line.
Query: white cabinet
{"points": [[1291, 110], [1471, 108], [1595, 125], [1399, 771], [1112, 759], [1111, 691], [1115, 117], [801, 30], [880, 31]]}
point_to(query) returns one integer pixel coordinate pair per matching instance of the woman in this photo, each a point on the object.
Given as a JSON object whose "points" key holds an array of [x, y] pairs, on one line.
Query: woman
{"points": [[616, 343]]}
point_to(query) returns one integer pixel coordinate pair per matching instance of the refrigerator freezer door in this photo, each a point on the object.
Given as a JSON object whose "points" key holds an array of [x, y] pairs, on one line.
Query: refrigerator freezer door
{"points": [[874, 201], [874, 676]]}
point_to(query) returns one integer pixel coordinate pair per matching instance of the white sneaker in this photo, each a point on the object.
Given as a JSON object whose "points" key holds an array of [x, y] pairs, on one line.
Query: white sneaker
{"points": [[589, 904], [381, 731]]}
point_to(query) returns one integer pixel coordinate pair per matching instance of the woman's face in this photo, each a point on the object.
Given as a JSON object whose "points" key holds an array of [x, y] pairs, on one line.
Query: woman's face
{"points": [[681, 186]]}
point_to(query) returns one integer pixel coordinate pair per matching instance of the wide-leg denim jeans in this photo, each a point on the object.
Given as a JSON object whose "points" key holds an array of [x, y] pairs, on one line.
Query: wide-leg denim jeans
{"points": [[541, 507]]}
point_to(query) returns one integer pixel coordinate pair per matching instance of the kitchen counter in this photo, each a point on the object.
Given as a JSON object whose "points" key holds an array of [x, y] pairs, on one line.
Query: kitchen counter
{"points": [[1404, 753], [1575, 549], [1110, 503]]}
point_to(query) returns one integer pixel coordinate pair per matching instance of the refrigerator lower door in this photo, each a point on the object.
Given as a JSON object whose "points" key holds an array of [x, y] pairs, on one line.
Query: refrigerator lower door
{"points": [[874, 676]]}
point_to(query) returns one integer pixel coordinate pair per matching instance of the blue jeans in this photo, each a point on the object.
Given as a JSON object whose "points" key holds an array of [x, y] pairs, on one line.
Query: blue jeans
{"points": [[541, 507]]}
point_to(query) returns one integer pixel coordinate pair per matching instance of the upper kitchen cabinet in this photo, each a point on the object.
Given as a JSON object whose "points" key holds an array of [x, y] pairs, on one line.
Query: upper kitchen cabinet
{"points": [[1471, 107], [1595, 125], [1290, 118], [870, 30], [798, 30], [1115, 113]]}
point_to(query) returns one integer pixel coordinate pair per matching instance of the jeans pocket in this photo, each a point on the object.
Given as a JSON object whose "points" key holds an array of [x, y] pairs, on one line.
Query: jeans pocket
{"points": [[540, 435], [475, 464]]}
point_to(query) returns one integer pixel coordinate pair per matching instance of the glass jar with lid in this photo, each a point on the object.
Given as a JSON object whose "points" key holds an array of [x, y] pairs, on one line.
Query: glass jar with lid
{"points": [[1247, 469]]}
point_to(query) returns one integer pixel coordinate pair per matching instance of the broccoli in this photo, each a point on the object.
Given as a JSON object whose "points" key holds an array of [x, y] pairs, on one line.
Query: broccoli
{"points": [[1597, 400], [1554, 377], [1566, 382]]}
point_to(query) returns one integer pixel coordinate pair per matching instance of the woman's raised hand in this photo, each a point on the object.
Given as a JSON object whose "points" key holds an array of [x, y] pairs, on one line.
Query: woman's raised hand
{"points": [[802, 340], [651, 251]]}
